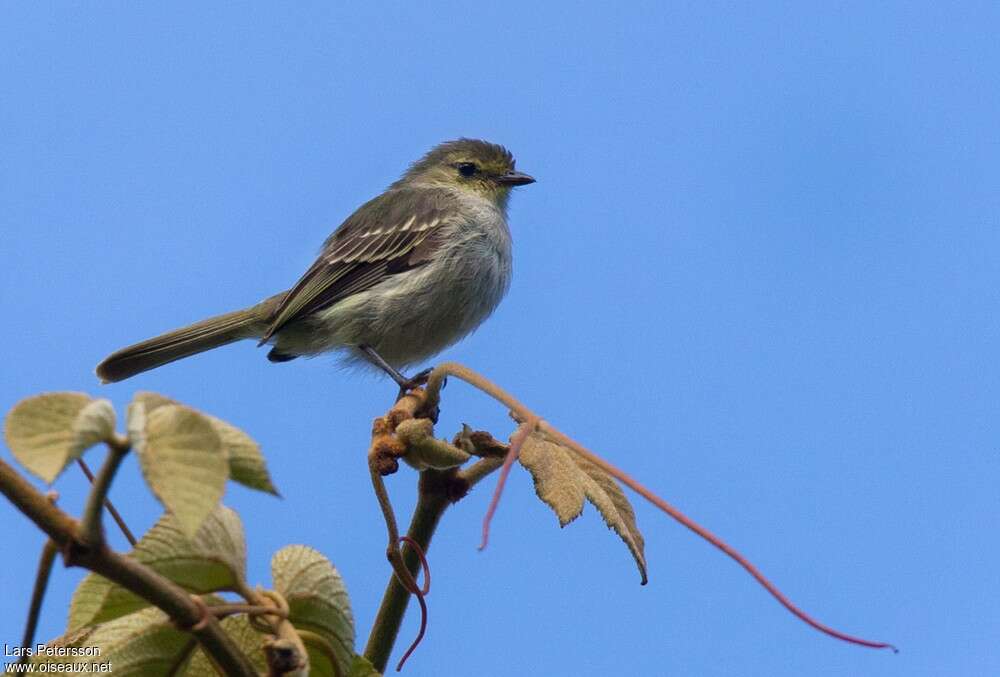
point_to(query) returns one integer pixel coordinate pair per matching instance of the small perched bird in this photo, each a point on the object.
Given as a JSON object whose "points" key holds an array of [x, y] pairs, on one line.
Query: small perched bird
{"points": [[409, 273]]}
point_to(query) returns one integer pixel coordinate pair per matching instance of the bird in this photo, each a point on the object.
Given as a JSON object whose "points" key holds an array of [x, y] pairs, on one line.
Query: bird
{"points": [[409, 273]]}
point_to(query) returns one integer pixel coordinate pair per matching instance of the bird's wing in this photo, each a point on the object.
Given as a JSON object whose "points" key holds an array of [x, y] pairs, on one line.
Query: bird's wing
{"points": [[390, 234]]}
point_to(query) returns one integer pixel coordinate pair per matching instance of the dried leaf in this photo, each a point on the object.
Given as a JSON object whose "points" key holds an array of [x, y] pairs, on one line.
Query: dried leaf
{"points": [[317, 601], [563, 479], [181, 457], [214, 560], [48, 431]]}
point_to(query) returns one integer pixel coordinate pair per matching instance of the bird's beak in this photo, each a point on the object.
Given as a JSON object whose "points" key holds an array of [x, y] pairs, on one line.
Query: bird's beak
{"points": [[514, 179]]}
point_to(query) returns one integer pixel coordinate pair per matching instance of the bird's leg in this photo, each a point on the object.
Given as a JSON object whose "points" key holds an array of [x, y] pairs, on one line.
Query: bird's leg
{"points": [[405, 384]]}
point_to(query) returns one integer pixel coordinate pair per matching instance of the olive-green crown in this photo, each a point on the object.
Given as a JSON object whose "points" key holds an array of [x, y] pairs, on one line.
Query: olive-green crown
{"points": [[492, 158]]}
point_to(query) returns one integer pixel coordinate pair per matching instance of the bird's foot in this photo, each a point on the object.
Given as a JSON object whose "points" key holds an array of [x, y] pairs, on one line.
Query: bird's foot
{"points": [[405, 384], [415, 381]]}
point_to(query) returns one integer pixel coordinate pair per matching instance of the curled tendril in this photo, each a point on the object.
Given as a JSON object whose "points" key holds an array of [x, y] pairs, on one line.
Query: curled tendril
{"points": [[419, 592]]}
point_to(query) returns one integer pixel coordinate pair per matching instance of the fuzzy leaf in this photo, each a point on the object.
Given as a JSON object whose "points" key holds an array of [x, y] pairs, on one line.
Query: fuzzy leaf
{"points": [[214, 560], [362, 667], [48, 431], [246, 638], [142, 644], [181, 457], [152, 400], [563, 479], [246, 464], [319, 658], [425, 450], [317, 601]]}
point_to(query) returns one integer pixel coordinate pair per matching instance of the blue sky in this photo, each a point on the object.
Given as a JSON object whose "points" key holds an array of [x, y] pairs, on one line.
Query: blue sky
{"points": [[759, 271]]}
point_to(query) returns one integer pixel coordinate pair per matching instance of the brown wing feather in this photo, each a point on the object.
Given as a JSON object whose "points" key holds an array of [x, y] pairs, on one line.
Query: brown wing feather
{"points": [[374, 242]]}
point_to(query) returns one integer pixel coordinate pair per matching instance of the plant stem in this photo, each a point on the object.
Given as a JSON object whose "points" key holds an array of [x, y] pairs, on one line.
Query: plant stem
{"points": [[173, 600], [115, 515], [49, 551], [431, 504], [91, 530], [436, 381], [59, 526], [433, 499], [516, 442]]}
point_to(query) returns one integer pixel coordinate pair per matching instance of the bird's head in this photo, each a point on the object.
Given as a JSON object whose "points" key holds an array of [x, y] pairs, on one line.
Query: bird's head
{"points": [[479, 167]]}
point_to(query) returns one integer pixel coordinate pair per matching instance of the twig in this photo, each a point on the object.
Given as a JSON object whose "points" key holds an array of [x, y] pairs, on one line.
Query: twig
{"points": [[480, 469], [382, 455], [436, 380], [517, 441], [115, 515], [59, 526], [49, 551], [437, 490], [91, 530], [523, 415], [223, 610]]}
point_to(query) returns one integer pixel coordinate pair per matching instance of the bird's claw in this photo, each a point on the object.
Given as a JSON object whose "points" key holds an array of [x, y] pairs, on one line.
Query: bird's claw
{"points": [[415, 381]]}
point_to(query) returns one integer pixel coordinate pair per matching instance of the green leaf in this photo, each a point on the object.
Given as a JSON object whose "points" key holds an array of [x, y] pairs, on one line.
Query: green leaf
{"points": [[361, 667], [152, 400], [48, 431], [182, 460], [97, 600], [213, 560], [246, 638], [317, 601], [563, 479], [246, 464], [143, 644]]}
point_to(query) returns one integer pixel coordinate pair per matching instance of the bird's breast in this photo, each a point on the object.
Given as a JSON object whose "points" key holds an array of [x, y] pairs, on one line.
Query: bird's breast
{"points": [[415, 314]]}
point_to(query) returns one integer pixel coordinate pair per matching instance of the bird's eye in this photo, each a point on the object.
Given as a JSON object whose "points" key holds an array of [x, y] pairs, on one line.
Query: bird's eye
{"points": [[466, 168]]}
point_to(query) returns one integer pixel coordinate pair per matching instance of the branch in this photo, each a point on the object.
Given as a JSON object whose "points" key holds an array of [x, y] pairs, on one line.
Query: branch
{"points": [[59, 526], [144, 582], [437, 490]]}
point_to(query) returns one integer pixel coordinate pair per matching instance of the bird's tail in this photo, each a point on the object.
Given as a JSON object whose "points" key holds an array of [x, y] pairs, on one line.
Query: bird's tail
{"points": [[195, 338]]}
